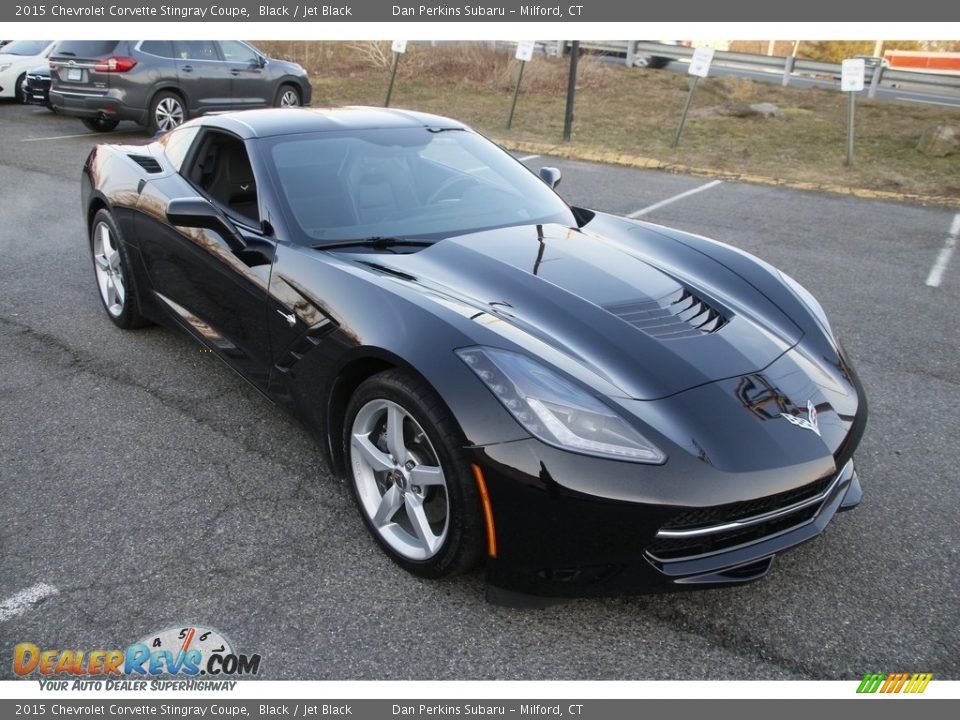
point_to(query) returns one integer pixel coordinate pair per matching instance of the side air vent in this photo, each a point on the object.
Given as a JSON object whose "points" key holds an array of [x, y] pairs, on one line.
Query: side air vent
{"points": [[678, 315], [148, 163]]}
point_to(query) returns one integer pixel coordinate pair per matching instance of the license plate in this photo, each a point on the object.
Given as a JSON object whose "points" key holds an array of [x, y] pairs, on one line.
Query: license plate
{"points": [[74, 74]]}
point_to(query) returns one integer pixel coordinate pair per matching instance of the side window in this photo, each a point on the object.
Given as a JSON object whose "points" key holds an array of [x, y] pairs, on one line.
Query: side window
{"points": [[197, 50], [221, 170], [176, 144], [160, 48], [235, 51]]}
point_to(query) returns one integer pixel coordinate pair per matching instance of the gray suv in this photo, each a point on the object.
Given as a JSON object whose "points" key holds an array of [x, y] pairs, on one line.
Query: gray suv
{"points": [[162, 83]]}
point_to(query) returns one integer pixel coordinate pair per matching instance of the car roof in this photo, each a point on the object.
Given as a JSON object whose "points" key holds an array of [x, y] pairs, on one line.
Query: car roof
{"points": [[288, 121]]}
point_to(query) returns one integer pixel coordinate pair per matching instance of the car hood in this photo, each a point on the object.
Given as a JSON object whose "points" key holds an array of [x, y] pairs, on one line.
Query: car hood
{"points": [[645, 312]]}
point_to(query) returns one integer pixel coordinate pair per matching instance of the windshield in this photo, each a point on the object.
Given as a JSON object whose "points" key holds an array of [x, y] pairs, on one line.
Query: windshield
{"points": [[25, 47], [405, 183]]}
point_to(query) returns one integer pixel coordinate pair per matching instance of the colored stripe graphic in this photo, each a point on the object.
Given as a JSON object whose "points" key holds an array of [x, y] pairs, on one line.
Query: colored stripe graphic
{"points": [[894, 683]]}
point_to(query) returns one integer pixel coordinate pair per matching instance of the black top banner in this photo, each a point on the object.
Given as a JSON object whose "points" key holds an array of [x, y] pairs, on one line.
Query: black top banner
{"points": [[481, 11]]}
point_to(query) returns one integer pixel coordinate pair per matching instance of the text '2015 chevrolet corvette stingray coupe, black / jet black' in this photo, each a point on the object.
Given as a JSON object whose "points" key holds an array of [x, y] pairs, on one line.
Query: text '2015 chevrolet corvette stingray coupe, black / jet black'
{"points": [[588, 404]]}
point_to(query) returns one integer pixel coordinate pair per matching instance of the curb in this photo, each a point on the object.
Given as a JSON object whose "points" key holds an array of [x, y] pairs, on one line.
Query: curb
{"points": [[644, 163]]}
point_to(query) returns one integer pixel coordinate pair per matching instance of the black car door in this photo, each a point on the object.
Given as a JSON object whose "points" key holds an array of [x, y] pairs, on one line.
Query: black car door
{"points": [[215, 291]]}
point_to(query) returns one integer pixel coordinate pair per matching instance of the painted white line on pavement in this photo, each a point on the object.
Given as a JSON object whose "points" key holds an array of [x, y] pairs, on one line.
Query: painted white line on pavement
{"points": [[526, 158], [21, 602], [58, 137], [681, 196], [940, 264], [926, 102]]}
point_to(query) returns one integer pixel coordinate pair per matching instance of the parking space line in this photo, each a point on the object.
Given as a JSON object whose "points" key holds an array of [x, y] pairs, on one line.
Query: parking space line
{"points": [[681, 196], [940, 264], [926, 102], [526, 158], [58, 137], [21, 602]]}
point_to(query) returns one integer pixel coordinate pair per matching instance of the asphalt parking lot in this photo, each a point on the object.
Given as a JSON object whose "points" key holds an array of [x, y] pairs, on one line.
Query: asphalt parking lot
{"points": [[144, 486]]}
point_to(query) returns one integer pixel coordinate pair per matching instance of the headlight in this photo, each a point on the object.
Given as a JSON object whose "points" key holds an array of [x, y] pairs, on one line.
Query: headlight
{"points": [[809, 300], [555, 410]]}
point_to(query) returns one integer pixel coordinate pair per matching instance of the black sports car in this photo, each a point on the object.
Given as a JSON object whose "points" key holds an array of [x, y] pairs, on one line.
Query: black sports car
{"points": [[590, 404]]}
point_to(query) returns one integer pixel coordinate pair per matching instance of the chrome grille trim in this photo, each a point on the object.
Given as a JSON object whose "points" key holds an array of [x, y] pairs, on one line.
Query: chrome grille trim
{"points": [[844, 475]]}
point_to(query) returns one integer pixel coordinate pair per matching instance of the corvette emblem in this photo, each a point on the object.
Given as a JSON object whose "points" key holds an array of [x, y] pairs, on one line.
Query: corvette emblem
{"points": [[807, 423]]}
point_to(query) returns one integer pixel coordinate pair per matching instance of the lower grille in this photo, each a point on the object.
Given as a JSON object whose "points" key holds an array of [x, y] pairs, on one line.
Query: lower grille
{"points": [[702, 517], [704, 531], [683, 548]]}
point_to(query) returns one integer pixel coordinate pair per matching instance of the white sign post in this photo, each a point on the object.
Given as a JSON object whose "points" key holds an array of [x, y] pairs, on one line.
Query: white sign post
{"points": [[524, 55], [699, 68], [852, 73], [399, 47]]}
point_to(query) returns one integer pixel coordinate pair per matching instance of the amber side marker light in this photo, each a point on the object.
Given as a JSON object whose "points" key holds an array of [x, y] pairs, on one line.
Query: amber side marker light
{"points": [[487, 511]]}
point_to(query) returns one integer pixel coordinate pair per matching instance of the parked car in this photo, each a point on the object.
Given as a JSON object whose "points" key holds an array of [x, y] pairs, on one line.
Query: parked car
{"points": [[592, 404], [36, 86], [655, 62], [162, 83], [16, 59]]}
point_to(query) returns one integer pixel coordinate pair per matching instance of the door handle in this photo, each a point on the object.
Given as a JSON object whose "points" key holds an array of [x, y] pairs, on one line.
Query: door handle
{"points": [[187, 68], [234, 72]]}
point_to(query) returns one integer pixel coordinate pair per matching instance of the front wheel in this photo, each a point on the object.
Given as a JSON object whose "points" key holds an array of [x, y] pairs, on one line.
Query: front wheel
{"points": [[410, 480], [100, 125], [18, 94], [111, 264], [288, 96]]}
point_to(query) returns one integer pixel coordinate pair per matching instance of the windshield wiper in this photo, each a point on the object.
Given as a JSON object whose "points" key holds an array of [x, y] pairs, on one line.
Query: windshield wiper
{"points": [[376, 242]]}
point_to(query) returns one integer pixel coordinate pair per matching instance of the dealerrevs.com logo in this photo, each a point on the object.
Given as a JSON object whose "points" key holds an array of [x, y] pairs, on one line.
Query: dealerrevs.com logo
{"points": [[185, 652], [909, 683]]}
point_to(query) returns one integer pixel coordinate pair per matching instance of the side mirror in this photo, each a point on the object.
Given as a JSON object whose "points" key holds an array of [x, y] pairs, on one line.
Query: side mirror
{"points": [[550, 175], [196, 212], [261, 61]]}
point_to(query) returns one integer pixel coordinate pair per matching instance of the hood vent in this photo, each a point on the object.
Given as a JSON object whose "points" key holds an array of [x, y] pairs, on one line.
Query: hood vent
{"points": [[678, 315], [150, 164]]}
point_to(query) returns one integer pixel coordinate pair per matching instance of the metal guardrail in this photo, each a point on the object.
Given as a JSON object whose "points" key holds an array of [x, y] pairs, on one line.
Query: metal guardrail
{"points": [[789, 67]]}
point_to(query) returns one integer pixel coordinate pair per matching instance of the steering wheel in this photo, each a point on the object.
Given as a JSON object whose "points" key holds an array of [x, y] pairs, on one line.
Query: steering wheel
{"points": [[447, 185]]}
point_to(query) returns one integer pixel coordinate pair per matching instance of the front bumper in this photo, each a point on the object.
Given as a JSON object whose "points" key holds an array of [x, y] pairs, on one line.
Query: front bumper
{"points": [[556, 543], [36, 91]]}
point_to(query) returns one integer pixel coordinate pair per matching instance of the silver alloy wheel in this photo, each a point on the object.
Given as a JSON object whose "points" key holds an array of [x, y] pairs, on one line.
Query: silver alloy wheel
{"points": [[168, 114], [289, 98], [106, 259], [399, 480]]}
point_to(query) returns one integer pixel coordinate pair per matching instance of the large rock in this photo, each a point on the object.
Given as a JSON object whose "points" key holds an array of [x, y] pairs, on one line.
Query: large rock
{"points": [[939, 141], [743, 110]]}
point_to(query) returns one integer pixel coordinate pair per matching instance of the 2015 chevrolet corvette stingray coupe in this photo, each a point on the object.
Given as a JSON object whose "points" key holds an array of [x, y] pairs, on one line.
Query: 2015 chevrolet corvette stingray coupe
{"points": [[591, 405]]}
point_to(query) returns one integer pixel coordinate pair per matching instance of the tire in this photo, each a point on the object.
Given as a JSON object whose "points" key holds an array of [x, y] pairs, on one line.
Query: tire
{"points": [[112, 269], [18, 89], [434, 484], [100, 125], [167, 111], [288, 96]]}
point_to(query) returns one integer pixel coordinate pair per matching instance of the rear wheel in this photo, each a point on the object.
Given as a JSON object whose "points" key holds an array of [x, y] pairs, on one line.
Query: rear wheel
{"points": [[100, 124], [412, 484], [167, 111], [288, 96], [111, 264]]}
